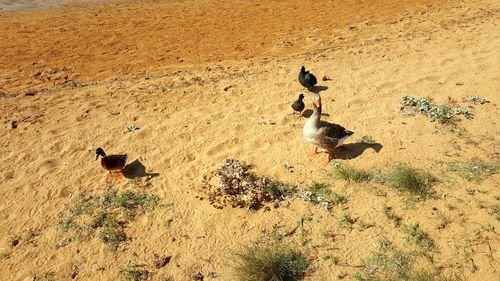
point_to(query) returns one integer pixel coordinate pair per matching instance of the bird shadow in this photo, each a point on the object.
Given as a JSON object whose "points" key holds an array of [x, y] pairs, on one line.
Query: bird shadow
{"points": [[308, 112], [353, 150], [137, 170], [318, 89]]}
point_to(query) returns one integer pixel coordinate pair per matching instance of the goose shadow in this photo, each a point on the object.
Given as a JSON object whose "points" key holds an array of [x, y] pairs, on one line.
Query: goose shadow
{"points": [[318, 89], [137, 170], [308, 112], [353, 150]]}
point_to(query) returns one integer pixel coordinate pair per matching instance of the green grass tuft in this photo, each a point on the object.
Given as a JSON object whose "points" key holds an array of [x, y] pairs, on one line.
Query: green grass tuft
{"points": [[279, 190], [320, 193], [391, 215], [346, 221], [91, 214], [352, 174], [411, 181], [389, 263], [141, 200], [270, 262], [134, 272], [475, 170], [415, 235]]}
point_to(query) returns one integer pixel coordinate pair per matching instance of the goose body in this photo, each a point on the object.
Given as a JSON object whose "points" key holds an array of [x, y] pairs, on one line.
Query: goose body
{"points": [[322, 134], [307, 79], [113, 163]]}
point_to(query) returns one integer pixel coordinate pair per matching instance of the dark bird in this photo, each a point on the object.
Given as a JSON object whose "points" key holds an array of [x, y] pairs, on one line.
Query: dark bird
{"points": [[299, 105], [322, 134], [307, 79], [113, 163]]}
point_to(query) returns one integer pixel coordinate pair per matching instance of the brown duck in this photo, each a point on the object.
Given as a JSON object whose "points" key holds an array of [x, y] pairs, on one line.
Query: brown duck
{"points": [[322, 134], [113, 163]]}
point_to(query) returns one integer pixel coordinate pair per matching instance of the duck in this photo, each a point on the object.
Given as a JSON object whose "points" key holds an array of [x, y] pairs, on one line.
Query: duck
{"points": [[307, 79], [324, 135], [298, 105], [113, 163]]}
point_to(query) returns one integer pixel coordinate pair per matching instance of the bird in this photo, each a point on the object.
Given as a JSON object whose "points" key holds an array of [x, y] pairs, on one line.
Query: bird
{"points": [[307, 79], [113, 163], [322, 134], [299, 105]]}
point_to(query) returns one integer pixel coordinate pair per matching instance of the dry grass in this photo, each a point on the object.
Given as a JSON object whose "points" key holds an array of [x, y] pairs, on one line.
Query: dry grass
{"points": [[411, 181], [321, 194], [352, 174], [475, 170], [134, 272], [269, 262]]}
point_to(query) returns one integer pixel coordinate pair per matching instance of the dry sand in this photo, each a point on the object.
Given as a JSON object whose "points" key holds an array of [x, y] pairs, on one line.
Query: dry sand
{"points": [[199, 82]]}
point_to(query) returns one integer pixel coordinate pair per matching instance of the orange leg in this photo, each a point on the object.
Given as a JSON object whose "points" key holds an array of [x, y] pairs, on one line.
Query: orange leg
{"points": [[327, 159], [109, 176], [314, 152]]}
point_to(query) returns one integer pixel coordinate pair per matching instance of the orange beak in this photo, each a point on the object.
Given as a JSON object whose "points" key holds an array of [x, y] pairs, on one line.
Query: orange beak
{"points": [[318, 102]]}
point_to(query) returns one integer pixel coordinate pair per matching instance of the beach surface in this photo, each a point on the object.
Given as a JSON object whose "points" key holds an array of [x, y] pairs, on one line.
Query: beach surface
{"points": [[180, 86]]}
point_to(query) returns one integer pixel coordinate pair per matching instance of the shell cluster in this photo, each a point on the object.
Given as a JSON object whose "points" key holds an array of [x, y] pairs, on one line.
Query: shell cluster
{"points": [[237, 186]]}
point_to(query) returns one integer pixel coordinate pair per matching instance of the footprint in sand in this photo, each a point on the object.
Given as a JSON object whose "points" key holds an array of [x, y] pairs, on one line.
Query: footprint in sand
{"points": [[429, 78], [447, 62], [48, 165], [386, 85]]}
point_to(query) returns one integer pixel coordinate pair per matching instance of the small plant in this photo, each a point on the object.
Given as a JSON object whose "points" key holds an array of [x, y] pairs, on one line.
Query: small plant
{"points": [[140, 200], [494, 210], [444, 114], [269, 262], [441, 113], [389, 263], [443, 219], [464, 111], [367, 140], [168, 222], [391, 215], [415, 235], [303, 232], [30, 236], [83, 205], [134, 272], [279, 190], [112, 233], [99, 214], [475, 170], [411, 181], [476, 100], [346, 221], [321, 194], [335, 260], [46, 276], [352, 174]]}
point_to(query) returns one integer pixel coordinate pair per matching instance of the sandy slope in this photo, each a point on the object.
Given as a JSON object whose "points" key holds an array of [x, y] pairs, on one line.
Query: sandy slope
{"points": [[201, 99]]}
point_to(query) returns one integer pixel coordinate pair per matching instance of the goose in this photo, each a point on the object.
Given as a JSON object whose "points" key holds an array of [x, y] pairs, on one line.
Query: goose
{"points": [[322, 134], [112, 163]]}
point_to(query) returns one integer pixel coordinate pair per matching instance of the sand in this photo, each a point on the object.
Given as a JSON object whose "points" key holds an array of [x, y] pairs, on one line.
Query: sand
{"points": [[216, 80]]}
